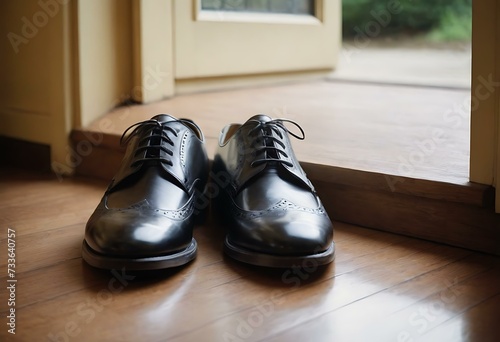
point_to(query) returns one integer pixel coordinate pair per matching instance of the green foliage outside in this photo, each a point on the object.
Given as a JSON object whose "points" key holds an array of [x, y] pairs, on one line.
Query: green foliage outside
{"points": [[439, 20]]}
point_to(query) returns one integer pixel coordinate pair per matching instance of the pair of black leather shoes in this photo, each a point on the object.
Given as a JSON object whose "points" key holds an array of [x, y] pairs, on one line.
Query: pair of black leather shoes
{"points": [[272, 214]]}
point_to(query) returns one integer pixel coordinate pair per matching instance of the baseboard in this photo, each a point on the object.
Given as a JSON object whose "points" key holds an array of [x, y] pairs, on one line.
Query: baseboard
{"points": [[456, 214], [460, 215], [198, 85], [24, 154]]}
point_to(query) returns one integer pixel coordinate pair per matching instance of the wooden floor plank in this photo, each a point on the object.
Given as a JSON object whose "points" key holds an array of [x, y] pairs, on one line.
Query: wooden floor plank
{"points": [[312, 300], [478, 323], [36, 252], [43, 202], [418, 319], [378, 311]]}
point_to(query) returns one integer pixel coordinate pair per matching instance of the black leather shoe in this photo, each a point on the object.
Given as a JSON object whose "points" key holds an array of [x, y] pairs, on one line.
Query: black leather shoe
{"points": [[146, 217], [272, 213]]}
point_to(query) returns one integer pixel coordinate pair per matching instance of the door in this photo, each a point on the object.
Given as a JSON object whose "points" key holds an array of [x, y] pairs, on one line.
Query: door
{"points": [[214, 38]]}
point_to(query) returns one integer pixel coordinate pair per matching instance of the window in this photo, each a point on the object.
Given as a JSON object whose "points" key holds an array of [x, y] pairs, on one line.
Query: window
{"points": [[261, 6]]}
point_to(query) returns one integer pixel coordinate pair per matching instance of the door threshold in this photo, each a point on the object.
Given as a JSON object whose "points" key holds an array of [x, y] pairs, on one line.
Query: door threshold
{"points": [[405, 131]]}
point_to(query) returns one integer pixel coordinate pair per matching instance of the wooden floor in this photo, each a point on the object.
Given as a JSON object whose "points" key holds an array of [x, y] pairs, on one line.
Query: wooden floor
{"points": [[381, 287], [409, 131]]}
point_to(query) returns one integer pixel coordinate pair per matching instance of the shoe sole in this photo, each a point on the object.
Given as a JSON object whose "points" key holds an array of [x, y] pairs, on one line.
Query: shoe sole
{"points": [[278, 261], [139, 264]]}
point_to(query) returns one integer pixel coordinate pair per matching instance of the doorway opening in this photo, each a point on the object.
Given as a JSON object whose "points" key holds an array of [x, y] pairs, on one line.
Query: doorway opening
{"points": [[415, 57]]}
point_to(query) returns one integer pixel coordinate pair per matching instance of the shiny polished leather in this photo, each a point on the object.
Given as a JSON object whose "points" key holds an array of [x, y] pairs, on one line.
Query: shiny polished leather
{"points": [[145, 219], [271, 211]]}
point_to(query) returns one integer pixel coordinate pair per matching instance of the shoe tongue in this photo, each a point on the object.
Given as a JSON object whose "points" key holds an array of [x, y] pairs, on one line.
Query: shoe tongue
{"points": [[269, 153], [163, 118], [260, 117]]}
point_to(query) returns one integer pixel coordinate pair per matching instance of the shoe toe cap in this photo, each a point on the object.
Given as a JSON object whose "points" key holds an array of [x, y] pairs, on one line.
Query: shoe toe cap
{"points": [[131, 233], [294, 233]]}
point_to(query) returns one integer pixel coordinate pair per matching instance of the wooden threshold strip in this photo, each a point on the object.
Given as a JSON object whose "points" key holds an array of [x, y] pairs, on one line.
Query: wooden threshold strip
{"points": [[456, 214]]}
